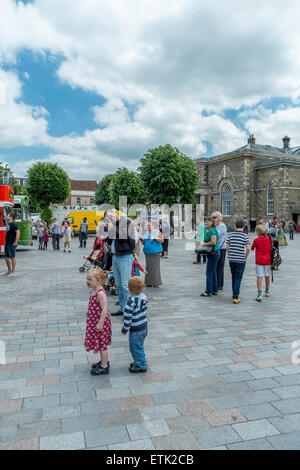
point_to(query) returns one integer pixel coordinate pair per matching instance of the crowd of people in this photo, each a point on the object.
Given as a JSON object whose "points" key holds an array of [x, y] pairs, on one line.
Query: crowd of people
{"points": [[126, 238], [213, 243]]}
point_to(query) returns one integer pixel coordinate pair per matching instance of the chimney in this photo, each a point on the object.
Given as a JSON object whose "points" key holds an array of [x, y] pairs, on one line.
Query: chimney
{"points": [[251, 139], [286, 142]]}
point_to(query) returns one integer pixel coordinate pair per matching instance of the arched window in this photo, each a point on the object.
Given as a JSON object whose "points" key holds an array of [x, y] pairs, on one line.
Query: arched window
{"points": [[270, 199], [226, 199]]}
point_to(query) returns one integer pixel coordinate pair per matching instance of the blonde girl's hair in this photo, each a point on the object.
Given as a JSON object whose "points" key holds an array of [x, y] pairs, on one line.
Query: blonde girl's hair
{"points": [[261, 230], [99, 275], [218, 215]]}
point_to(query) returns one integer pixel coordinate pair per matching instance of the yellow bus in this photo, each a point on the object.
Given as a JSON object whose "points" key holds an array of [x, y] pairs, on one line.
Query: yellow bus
{"points": [[93, 218]]}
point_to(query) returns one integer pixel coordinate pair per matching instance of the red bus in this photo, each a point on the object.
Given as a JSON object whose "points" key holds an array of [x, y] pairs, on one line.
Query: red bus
{"points": [[6, 203]]}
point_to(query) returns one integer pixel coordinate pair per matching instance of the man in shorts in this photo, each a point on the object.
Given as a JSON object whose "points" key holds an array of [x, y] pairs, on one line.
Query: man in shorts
{"points": [[11, 242]]}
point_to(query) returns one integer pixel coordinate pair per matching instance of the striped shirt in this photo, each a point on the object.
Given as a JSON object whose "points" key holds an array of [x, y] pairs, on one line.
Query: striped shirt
{"points": [[135, 312], [237, 242]]}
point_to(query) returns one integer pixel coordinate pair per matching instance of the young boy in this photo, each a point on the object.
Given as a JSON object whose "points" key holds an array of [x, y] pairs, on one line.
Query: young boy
{"points": [[135, 321], [262, 245]]}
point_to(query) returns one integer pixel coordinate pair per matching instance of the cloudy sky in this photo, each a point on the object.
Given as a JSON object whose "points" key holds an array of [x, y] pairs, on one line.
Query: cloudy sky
{"points": [[93, 84]]}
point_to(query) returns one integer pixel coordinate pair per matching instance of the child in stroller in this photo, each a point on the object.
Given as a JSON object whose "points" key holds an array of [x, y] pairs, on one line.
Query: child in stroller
{"points": [[96, 258]]}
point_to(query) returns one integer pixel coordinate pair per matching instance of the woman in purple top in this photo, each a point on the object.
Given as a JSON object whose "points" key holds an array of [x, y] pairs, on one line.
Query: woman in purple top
{"points": [[222, 231]]}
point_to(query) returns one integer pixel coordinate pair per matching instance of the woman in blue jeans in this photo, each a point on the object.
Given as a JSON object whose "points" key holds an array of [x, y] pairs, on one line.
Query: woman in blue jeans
{"points": [[211, 239]]}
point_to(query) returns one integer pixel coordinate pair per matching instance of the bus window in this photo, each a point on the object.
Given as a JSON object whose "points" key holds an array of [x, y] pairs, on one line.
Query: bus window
{"points": [[18, 213]]}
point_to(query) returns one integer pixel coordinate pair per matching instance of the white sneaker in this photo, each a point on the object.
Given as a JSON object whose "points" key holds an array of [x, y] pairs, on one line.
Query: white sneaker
{"points": [[259, 298], [267, 294], [5, 274]]}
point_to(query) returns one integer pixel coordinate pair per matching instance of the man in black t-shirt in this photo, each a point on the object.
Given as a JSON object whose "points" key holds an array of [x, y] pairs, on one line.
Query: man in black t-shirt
{"points": [[11, 242]]}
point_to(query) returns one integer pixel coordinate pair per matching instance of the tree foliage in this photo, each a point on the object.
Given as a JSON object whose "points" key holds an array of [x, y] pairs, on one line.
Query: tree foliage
{"points": [[47, 184], [102, 195], [127, 183], [169, 176]]}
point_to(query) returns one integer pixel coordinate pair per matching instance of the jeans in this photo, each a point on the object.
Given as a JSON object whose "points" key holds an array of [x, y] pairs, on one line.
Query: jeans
{"points": [[211, 273], [291, 234], [237, 271], [220, 268], [55, 241], [122, 266], [83, 238], [199, 257], [136, 346]]}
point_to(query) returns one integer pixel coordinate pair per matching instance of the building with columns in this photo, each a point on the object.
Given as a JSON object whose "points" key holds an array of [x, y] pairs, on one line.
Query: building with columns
{"points": [[256, 181]]}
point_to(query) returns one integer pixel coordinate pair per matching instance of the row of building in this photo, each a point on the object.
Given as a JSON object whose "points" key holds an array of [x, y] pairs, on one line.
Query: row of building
{"points": [[256, 181]]}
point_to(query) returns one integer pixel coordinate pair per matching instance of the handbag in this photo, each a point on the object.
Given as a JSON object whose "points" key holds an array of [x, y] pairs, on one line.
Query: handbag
{"points": [[206, 250]]}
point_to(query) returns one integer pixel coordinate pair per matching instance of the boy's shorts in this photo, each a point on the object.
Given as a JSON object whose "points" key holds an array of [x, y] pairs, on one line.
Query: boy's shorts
{"points": [[10, 251], [263, 271], [67, 239]]}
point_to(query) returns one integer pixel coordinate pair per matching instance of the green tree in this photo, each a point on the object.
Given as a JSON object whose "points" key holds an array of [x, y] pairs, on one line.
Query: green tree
{"points": [[169, 175], [102, 194], [127, 183], [47, 184]]}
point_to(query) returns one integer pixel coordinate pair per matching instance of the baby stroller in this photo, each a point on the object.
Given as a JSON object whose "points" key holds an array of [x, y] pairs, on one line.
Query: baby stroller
{"points": [[94, 259], [110, 285]]}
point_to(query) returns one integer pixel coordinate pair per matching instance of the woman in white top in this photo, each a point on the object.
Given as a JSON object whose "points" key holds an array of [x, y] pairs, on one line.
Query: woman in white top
{"points": [[222, 230]]}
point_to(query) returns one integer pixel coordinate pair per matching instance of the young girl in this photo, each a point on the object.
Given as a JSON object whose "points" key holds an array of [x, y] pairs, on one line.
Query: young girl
{"points": [[45, 238], [40, 231], [67, 233], [98, 324]]}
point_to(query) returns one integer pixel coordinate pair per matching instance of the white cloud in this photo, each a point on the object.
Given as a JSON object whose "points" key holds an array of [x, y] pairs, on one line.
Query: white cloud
{"points": [[159, 65], [270, 127], [20, 124]]}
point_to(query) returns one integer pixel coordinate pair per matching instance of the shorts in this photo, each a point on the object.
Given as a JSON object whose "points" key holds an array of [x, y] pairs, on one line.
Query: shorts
{"points": [[263, 271], [10, 251], [67, 239]]}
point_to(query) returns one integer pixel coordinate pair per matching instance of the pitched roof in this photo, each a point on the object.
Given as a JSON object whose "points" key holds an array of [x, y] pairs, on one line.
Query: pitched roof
{"points": [[83, 185]]}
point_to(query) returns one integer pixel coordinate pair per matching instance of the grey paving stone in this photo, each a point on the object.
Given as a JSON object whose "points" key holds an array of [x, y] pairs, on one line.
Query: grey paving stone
{"points": [[264, 410], [183, 441], [122, 417], [38, 429], [72, 441], [166, 398], [255, 429], [147, 429], [287, 406], [59, 412], [237, 377], [292, 391], [77, 397], [24, 392], [288, 441], [285, 380], [142, 444], [41, 402], [216, 436], [106, 436], [257, 444], [11, 384], [22, 417], [159, 412], [81, 423], [59, 389], [100, 406], [287, 423], [8, 433], [263, 384]]}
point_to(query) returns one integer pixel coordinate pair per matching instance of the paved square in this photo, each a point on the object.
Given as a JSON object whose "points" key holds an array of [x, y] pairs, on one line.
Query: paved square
{"points": [[220, 375]]}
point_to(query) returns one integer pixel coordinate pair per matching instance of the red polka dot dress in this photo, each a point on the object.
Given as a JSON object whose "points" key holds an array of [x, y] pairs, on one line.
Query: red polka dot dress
{"points": [[94, 340]]}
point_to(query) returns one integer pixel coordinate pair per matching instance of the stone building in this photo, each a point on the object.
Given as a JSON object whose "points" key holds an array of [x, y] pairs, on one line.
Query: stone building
{"points": [[81, 198], [256, 181]]}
